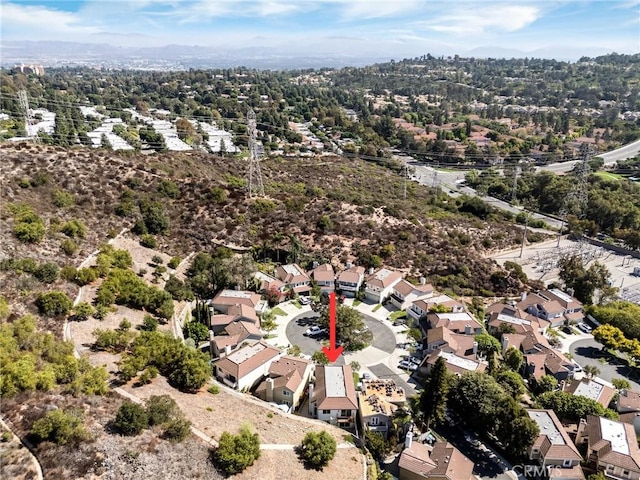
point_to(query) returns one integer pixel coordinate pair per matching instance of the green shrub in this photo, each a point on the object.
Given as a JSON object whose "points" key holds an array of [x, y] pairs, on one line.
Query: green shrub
{"points": [[5, 310], [161, 409], [148, 240], [237, 452], [85, 276], [29, 227], [52, 304], [83, 310], [318, 449], [74, 229], [149, 323], [168, 189], [131, 419], [149, 374], [174, 262], [68, 273], [69, 247], [62, 199], [59, 427], [47, 272], [214, 389], [217, 195], [177, 429]]}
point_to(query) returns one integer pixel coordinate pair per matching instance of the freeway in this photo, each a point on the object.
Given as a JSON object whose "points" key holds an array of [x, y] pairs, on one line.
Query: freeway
{"points": [[450, 182]]}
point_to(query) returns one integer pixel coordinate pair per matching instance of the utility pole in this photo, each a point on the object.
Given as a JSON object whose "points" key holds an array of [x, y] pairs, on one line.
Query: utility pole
{"points": [[405, 173], [28, 119], [524, 233], [515, 184], [255, 175], [435, 178]]}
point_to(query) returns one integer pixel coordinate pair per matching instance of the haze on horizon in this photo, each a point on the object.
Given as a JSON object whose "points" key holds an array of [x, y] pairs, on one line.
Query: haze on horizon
{"points": [[563, 29]]}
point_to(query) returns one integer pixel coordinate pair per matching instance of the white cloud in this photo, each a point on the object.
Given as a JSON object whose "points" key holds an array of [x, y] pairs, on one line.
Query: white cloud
{"points": [[487, 18], [41, 20], [369, 9]]}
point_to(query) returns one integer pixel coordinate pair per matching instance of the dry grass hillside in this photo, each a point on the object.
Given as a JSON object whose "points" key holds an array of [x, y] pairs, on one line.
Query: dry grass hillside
{"points": [[339, 209]]}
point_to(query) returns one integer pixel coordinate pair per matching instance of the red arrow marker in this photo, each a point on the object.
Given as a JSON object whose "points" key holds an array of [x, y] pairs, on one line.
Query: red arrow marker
{"points": [[332, 352]]}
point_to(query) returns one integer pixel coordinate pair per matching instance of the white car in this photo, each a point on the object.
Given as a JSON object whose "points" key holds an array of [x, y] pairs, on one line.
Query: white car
{"points": [[315, 330], [405, 365], [585, 328], [304, 300]]}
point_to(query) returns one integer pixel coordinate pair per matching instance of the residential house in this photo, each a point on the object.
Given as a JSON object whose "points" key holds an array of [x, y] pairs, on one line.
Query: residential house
{"points": [[441, 462], [592, 388], [628, 401], [612, 447], [497, 321], [555, 363], [553, 449], [229, 298], [236, 333], [403, 293], [553, 305], [378, 400], [270, 283], [325, 277], [332, 398], [286, 381], [295, 278], [419, 308], [350, 280], [246, 366], [455, 363], [378, 285], [461, 322], [235, 313], [441, 338]]}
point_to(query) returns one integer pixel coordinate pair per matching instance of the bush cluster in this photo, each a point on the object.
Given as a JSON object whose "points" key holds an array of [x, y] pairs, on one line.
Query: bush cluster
{"points": [[161, 411]]}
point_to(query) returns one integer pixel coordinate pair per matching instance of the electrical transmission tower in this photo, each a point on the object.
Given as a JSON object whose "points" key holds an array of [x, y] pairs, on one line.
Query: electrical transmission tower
{"points": [[255, 175], [435, 179], [575, 203], [28, 119], [515, 184]]}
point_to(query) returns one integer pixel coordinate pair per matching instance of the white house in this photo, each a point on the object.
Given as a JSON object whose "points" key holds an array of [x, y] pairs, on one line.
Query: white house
{"points": [[379, 285], [350, 281], [243, 368]]}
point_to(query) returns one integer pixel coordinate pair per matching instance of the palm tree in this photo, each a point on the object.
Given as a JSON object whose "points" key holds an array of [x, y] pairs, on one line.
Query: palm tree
{"points": [[591, 371]]}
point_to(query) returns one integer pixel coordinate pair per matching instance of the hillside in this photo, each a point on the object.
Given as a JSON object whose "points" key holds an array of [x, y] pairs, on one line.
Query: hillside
{"points": [[339, 210]]}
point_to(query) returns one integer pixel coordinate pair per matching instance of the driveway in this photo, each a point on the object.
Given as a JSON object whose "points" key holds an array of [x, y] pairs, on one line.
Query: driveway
{"points": [[588, 352]]}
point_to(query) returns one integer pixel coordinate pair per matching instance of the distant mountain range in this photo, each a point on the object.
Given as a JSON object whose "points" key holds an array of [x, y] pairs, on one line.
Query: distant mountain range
{"points": [[177, 57]]}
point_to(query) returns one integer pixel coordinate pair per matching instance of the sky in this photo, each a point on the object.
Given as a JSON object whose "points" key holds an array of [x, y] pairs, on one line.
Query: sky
{"points": [[384, 28]]}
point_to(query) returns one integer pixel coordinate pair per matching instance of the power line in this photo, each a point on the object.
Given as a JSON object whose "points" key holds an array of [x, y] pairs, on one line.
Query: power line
{"points": [[255, 175]]}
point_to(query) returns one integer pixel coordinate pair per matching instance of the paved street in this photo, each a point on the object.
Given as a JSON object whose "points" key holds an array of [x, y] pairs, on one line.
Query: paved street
{"points": [[588, 351]]}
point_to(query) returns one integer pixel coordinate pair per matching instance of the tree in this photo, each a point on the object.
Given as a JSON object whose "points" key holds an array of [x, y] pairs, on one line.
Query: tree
{"points": [[478, 393], [355, 366], [52, 304], [350, 327], [513, 358], [237, 452], [487, 343], [433, 399], [60, 427], [294, 351], [47, 272], [131, 419], [591, 371], [584, 282], [189, 370], [512, 382], [374, 441], [546, 383], [83, 310], [317, 449], [621, 383], [177, 429], [197, 331], [268, 321], [320, 358], [160, 409]]}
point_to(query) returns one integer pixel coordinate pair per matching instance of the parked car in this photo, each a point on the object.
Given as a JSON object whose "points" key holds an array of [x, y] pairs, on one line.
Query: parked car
{"points": [[313, 330], [407, 365], [585, 328], [304, 300]]}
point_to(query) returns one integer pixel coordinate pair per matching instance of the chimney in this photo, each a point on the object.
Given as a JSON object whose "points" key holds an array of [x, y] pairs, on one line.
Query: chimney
{"points": [[269, 389], [237, 288], [423, 281], [227, 350], [467, 329], [408, 439], [349, 264], [311, 412], [570, 291], [523, 296], [505, 342], [315, 264], [475, 348], [371, 270]]}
